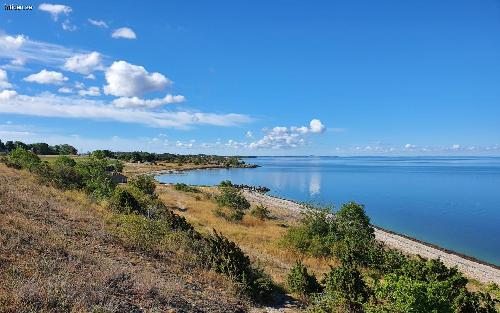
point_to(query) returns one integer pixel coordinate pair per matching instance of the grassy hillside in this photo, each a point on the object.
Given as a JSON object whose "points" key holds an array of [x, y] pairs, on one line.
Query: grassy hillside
{"points": [[59, 253]]}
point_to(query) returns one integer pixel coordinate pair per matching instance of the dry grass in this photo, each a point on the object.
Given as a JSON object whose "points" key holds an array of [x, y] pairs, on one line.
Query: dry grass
{"points": [[57, 255], [260, 239]]}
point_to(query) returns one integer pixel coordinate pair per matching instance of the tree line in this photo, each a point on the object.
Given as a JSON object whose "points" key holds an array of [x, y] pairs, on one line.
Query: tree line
{"points": [[40, 148]]}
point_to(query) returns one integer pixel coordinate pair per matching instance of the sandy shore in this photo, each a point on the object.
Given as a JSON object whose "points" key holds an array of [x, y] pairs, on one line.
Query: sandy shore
{"points": [[470, 268]]}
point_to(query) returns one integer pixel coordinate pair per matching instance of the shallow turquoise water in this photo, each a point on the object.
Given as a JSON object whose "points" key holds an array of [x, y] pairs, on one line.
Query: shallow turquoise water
{"points": [[452, 202]]}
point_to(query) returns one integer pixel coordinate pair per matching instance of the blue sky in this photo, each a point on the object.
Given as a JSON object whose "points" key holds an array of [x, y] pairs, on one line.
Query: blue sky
{"points": [[255, 77]]}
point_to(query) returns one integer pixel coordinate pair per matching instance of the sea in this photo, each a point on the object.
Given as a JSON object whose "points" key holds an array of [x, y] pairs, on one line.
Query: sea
{"points": [[452, 202]]}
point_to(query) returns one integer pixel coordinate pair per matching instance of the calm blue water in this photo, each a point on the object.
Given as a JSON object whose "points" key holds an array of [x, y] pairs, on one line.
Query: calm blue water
{"points": [[451, 202]]}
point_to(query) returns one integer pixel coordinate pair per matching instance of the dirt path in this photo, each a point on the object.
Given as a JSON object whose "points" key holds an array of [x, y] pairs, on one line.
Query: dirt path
{"points": [[484, 273]]}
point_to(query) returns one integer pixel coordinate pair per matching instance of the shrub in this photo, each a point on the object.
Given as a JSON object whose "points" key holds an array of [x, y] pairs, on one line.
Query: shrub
{"points": [[20, 158], [345, 291], [224, 256], [261, 212], [95, 178], [145, 183], [186, 188], [123, 201], [226, 183], [232, 198], [300, 282], [315, 235]]}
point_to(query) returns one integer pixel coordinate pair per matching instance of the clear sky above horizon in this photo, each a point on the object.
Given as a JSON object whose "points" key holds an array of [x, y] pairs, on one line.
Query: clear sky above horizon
{"points": [[254, 77]]}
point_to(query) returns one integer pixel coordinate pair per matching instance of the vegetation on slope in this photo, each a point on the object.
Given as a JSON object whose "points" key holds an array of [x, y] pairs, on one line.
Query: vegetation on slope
{"points": [[142, 220]]}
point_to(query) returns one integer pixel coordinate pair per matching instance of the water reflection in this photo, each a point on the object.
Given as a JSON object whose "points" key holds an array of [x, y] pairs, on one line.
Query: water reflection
{"points": [[315, 184]]}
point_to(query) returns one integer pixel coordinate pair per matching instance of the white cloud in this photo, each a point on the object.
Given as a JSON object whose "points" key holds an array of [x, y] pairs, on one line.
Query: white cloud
{"points": [[410, 146], [316, 126], [67, 26], [11, 43], [283, 137], [46, 77], [128, 80], [7, 94], [92, 91], [455, 147], [65, 90], [98, 23], [124, 32], [23, 49], [84, 63], [4, 81], [49, 105], [249, 134], [90, 76], [149, 103], [55, 9]]}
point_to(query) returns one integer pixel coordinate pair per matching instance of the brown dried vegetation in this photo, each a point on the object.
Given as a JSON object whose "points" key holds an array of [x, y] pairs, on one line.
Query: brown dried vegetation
{"points": [[57, 254]]}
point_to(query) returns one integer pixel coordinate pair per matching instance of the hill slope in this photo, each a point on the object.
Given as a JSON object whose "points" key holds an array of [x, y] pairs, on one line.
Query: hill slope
{"points": [[56, 254]]}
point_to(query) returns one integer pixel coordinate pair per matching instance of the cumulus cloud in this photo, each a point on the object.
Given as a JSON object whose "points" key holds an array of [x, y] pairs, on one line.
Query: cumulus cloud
{"points": [[46, 77], [91, 91], [128, 80], [123, 32], [98, 23], [124, 102], [4, 81], [90, 76], [55, 9], [49, 105], [7, 94], [84, 63], [11, 43], [284, 137], [315, 126], [410, 146], [249, 134]]}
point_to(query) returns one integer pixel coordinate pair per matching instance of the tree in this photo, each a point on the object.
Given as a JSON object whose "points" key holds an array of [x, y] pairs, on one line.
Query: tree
{"points": [[41, 149], [356, 235], [65, 149], [9, 145], [2, 147]]}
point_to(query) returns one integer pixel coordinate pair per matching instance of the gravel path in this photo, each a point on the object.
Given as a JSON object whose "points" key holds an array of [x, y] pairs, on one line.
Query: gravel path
{"points": [[472, 269]]}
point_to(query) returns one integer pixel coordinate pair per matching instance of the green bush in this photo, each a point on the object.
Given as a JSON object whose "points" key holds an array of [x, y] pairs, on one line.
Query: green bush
{"points": [[186, 188], [123, 201], [95, 177], [345, 291], [315, 235], [21, 158], [261, 212], [145, 183], [300, 282], [226, 183], [64, 174], [232, 198], [224, 256]]}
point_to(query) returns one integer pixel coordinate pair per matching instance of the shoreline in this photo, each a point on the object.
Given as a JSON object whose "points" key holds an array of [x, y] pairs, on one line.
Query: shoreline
{"points": [[469, 266]]}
